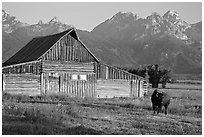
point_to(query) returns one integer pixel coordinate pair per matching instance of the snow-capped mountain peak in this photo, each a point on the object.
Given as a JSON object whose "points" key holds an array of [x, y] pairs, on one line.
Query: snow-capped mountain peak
{"points": [[54, 20], [173, 13], [4, 12], [155, 18], [4, 15], [10, 23], [172, 16], [120, 16], [40, 22]]}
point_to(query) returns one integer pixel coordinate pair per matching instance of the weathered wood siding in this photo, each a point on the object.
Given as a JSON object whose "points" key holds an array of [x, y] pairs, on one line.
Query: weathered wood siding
{"points": [[112, 88], [22, 78], [71, 67], [137, 88], [22, 84], [68, 49], [62, 63], [106, 72], [75, 79], [119, 88], [65, 84], [33, 67]]}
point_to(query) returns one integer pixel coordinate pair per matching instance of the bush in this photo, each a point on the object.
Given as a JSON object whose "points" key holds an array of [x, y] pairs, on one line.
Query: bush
{"points": [[154, 74]]}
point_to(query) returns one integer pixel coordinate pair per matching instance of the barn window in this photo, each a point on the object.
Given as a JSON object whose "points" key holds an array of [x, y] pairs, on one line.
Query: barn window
{"points": [[24, 69], [74, 77], [82, 77]]}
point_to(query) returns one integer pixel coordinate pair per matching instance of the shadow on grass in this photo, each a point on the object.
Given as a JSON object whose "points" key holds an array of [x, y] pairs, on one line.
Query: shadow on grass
{"points": [[12, 125], [115, 106]]}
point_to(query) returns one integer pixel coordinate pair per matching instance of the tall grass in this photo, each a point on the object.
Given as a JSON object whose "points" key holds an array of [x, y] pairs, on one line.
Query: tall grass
{"points": [[49, 114], [182, 102]]}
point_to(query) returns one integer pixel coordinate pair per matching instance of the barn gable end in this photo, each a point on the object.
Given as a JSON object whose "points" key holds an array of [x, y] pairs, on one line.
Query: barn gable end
{"points": [[68, 48]]}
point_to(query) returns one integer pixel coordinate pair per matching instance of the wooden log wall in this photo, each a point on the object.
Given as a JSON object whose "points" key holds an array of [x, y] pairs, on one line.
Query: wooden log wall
{"points": [[33, 67], [136, 88], [68, 49], [22, 84], [71, 67], [108, 72], [76, 79], [112, 88], [63, 83]]}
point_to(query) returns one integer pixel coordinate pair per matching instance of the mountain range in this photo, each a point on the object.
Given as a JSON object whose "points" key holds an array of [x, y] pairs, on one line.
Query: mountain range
{"points": [[125, 40]]}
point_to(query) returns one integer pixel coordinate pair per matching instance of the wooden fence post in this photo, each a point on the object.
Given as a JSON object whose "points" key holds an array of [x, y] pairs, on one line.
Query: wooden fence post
{"points": [[42, 83], [131, 88], [3, 82], [46, 83], [139, 88]]}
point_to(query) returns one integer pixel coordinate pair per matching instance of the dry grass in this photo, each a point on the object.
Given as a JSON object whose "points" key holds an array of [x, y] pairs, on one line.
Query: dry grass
{"points": [[102, 116]]}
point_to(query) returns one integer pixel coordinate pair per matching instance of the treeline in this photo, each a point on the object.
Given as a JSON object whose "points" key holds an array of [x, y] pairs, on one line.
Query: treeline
{"points": [[153, 73]]}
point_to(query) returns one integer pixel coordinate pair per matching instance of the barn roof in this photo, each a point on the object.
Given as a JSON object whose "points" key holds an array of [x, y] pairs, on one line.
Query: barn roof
{"points": [[38, 46]]}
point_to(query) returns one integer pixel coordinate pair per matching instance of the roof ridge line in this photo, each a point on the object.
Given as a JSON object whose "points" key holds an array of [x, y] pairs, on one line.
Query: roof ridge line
{"points": [[67, 30]]}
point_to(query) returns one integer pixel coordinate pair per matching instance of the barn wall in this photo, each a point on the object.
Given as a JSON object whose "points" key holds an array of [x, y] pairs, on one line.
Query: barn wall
{"points": [[119, 88], [71, 67], [111, 74], [65, 83], [22, 78], [112, 88], [66, 59], [108, 72], [68, 49], [33, 67], [72, 78], [137, 88], [28, 84]]}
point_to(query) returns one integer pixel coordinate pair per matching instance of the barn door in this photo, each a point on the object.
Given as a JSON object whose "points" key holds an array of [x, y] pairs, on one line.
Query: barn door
{"points": [[52, 82], [74, 85], [83, 85]]}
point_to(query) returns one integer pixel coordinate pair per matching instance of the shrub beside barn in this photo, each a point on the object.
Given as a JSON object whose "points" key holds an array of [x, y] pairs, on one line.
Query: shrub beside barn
{"points": [[62, 64]]}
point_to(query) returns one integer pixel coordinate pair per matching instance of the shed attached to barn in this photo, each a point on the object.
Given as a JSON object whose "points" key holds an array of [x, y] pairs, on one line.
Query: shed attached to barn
{"points": [[62, 64]]}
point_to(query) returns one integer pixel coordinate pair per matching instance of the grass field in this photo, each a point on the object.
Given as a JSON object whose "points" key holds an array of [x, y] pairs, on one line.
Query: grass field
{"points": [[53, 115]]}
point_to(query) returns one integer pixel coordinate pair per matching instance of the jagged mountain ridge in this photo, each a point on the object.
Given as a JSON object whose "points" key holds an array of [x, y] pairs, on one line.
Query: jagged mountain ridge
{"points": [[165, 40], [127, 40], [127, 24], [10, 23]]}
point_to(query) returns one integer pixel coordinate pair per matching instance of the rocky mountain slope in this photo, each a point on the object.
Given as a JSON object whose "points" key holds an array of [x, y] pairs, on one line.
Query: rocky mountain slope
{"points": [[124, 40], [165, 40]]}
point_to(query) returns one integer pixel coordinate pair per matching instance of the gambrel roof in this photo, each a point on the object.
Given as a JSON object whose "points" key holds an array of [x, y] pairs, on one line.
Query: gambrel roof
{"points": [[39, 45]]}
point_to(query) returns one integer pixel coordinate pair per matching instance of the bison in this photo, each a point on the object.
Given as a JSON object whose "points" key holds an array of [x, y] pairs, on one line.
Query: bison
{"points": [[160, 99]]}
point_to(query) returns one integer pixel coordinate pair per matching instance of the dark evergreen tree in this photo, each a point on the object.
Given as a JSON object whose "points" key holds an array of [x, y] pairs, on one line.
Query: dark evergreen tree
{"points": [[156, 75]]}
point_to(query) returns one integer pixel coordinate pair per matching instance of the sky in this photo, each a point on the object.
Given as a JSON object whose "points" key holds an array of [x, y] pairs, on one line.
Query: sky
{"points": [[87, 15]]}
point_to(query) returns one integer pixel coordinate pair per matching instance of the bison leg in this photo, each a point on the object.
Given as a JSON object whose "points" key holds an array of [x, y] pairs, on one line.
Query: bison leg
{"points": [[166, 106], [159, 109], [154, 108]]}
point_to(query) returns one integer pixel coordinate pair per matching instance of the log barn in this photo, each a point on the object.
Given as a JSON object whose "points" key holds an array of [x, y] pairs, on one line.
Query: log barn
{"points": [[62, 64]]}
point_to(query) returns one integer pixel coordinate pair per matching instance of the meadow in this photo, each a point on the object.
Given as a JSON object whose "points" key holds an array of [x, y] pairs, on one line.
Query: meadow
{"points": [[62, 115]]}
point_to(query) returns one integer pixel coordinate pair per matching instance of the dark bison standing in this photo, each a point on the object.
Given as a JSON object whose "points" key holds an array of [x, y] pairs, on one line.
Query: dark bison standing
{"points": [[160, 99]]}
